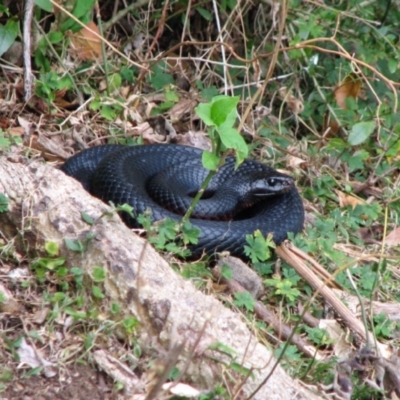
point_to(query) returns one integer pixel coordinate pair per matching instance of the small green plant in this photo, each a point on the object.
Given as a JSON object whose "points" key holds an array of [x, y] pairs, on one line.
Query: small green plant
{"points": [[8, 32], [384, 327], [244, 299], [109, 109], [6, 140], [42, 265], [319, 336], [219, 115], [283, 288], [168, 235], [258, 248], [49, 84], [3, 203]]}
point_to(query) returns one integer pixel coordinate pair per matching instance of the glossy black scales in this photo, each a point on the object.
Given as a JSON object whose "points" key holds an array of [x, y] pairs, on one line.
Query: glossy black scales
{"points": [[163, 179]]}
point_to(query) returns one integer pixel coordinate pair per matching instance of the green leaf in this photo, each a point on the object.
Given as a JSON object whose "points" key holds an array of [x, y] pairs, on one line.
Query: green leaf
{"points": [[205, 13], [83, 7], [115, 308], [232, 139], [75, 245], [223, 348], [82, 11], [244, 299], [130, 324], [114, 81], [99, 274], [62, 271], [222, 107], [361, 132], [52, 248], [44, 5], [3, 203], [284, 288], [127, 74], [97, 293], [108, 112], [207, 93], [87, 218], [392, 65], [170, 94], [159, 78], [259, 248], [203, 110], [8, 33], [55, 37], [76, 314], [58, 296], [210, 161], [190, 233], [48, 263], [226, 272]]}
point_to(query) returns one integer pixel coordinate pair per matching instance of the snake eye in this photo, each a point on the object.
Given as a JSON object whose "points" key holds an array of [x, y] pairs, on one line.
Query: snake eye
{"points": [[272, 182]]}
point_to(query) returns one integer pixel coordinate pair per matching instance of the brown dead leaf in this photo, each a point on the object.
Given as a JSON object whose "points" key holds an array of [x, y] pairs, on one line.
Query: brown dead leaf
{"points": [[16, 131], [371, 234], [393, 238], [85, 45], [349, 87], [184, 106], [195, 139], [348, 200], [293, 162], [295, 105], [4, 122]]}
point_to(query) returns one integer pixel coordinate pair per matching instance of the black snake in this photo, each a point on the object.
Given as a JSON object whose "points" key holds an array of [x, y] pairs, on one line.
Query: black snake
{"points": [[165, 178]]}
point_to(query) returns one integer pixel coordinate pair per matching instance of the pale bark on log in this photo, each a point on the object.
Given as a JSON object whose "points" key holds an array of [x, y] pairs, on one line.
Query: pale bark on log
{"points": [[45, 205]]}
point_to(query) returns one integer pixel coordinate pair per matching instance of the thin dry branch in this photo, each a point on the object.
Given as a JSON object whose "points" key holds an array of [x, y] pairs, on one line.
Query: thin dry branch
{"points": [[294, 257]]}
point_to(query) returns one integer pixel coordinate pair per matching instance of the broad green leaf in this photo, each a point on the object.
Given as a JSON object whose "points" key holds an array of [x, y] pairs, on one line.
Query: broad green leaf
{"points": [[108, 112], [58, 296], [52, 248], [74, 245], [210, 161], [203, 110], [97, 292], [232, 139], [392, 65], [98, 274], [229, 120], [8, 33], [82, 11], [159, 79], [114, 81], [244, 299], [45, 5], [55, 37], [87, 218], [207, 93], [361, 132], [221, 108], [82, 7]]}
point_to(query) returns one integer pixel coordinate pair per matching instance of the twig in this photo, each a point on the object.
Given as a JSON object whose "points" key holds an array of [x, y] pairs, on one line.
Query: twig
{"points": [[28, 76], [221, 39]]}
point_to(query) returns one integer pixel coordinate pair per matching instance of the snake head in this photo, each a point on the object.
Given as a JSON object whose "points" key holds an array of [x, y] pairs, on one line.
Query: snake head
{"points": [[271, 186]]}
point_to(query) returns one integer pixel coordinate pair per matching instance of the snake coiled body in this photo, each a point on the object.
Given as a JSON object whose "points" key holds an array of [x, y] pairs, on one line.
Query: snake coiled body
{"points": [[163, 179]]}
